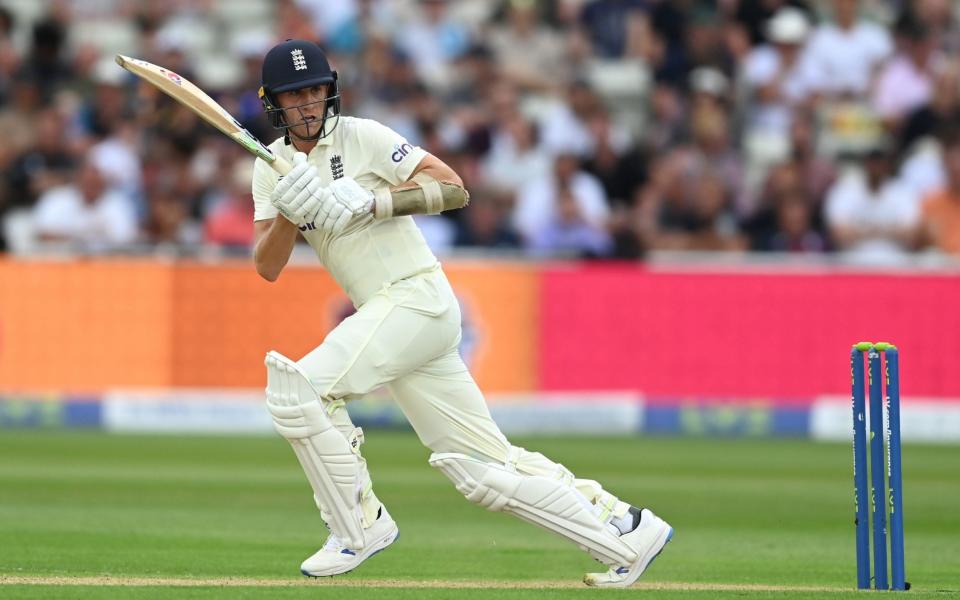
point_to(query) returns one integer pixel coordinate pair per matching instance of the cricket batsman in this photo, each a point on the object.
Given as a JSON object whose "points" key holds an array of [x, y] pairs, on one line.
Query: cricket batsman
{"points": [[350, 194]]}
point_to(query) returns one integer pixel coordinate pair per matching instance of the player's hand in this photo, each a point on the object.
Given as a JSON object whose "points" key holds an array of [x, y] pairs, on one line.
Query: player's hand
{"points": [[331, 216], [295, 194], [351, 195]]}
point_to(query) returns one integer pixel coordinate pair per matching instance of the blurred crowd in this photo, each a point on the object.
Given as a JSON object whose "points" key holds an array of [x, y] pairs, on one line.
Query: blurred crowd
{"points": [[582, 128]]}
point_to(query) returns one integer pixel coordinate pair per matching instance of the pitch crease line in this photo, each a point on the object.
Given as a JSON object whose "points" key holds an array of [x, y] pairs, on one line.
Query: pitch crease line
{"points": [[107, 581]]}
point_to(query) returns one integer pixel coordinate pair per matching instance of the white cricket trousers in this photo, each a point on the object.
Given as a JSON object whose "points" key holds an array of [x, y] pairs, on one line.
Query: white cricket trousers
{"points": [[406, 337]]}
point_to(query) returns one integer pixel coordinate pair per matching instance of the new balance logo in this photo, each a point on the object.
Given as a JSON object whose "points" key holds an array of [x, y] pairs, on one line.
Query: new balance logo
{"points": [[299, 62]]}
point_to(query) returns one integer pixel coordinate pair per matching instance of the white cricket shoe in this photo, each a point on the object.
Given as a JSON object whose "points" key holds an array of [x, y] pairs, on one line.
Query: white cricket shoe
{"points": [[336, 559], [648, 539]]}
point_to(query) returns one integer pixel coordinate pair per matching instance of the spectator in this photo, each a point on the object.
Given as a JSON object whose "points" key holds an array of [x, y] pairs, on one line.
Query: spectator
{"points": [[477, 73], [440, 233], [816, 173], [539, 205], [500, 88], [18, 119], [804, 174], [383, 86], [845, 54], [938, 113], [246, 106], [107, 124], [872, 215], [774, 75], [167, 222], [230, 223], [86, 215], [46, 62], [7, 23], [487, 223], [782, 179], [330, 19], [528, 53], [564, 124], [755, 15], [711, 152], [697, 215], [795, 231], [107, 105], [9, 57], [668, 120], [666, 50], [614, 26], [709, 86], [516, 156], [940, 220], [905, 83], [45, 165], [293, 22], [620, 168], [433, 40], [567, 232], [705, 44]]}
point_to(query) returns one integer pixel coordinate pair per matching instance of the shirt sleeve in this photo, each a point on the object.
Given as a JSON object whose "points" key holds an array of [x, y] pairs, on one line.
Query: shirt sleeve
{"points": [[390, 155], [881, 43], [118, 219], [760, 67], [908, 211], [811, 62], [592, 200], [264, 180], [839, 202], [51, 214], [886, 93]]}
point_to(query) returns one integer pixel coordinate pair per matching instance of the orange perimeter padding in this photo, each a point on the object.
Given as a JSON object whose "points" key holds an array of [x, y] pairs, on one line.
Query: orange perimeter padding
{"points": [[93, 325]]}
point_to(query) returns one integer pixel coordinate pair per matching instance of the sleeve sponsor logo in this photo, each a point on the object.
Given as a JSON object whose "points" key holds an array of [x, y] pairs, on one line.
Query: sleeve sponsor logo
{"points": [[400, 152]]}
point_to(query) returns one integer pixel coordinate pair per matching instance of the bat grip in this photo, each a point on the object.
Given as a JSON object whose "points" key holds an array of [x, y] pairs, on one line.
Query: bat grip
{"points": [[280, 165]]}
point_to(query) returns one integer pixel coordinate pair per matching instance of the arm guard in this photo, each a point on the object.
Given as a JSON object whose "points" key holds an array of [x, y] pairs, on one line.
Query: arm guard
{"points": [[426, 196]]}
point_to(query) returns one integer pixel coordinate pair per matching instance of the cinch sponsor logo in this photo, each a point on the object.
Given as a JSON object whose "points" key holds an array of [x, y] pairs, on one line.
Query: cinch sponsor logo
{"points": [[400, 152]]}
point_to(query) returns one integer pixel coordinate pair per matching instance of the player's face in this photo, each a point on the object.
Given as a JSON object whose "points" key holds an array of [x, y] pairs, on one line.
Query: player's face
{"points": [[303, 109]]}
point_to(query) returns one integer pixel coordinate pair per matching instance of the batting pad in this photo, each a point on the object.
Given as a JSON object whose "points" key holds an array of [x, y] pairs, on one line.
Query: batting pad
{"points": [[325, 455], [552, 504]]}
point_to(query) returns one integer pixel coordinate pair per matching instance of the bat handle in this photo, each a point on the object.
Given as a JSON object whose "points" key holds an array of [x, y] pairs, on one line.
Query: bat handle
{"points": [[280, 165]]}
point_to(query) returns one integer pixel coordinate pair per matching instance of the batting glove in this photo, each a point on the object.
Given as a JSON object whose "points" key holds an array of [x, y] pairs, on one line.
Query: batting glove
{"points": [[292, 190], [351, 195]]}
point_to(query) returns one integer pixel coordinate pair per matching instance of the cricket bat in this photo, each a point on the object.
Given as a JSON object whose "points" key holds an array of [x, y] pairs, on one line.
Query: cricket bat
{"points": [[203, 105]]}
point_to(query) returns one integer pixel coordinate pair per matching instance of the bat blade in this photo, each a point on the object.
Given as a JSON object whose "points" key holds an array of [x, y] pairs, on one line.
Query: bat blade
{"points": [[189, 95]]}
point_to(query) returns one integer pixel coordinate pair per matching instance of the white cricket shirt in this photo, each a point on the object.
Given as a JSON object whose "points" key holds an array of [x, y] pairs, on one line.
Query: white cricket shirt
{"points": [[368, 254]]}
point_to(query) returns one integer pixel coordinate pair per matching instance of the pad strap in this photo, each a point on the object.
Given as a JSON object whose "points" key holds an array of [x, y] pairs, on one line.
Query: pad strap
{"points": [[382, 203]]}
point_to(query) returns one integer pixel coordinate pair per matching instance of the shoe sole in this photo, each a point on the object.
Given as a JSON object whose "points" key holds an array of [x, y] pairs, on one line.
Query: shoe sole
{"points": [[662, 548], [636, 567], [363, 560]]}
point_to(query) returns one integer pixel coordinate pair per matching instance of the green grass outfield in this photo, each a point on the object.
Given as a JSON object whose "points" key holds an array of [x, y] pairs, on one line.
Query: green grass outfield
{"points": [[93, 515]]}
